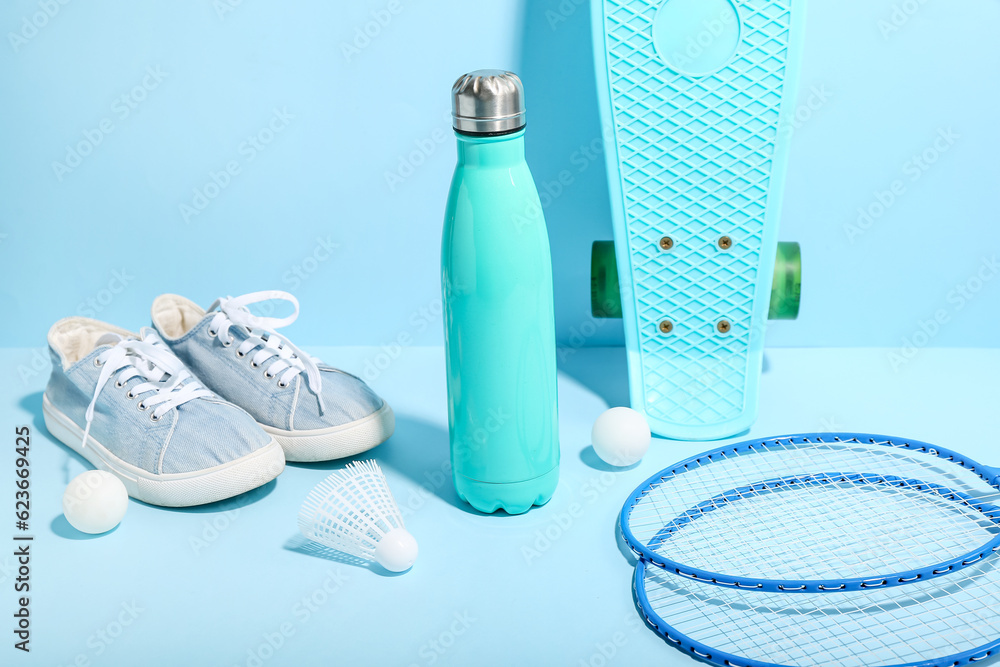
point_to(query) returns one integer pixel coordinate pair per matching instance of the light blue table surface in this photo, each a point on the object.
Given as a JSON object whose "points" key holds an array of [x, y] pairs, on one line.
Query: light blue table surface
{"points": [[219, 585]]}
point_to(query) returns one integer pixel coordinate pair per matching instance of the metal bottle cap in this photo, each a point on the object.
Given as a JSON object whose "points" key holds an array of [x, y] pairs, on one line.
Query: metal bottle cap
{"points": [[488, 101]]}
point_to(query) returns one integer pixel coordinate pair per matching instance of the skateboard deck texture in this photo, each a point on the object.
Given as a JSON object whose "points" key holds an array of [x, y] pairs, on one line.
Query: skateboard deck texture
{"points": [[696, 98]]}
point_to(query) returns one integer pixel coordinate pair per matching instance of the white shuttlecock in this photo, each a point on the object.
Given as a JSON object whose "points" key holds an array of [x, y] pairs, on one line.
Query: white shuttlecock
{"points": [[353, 511]]}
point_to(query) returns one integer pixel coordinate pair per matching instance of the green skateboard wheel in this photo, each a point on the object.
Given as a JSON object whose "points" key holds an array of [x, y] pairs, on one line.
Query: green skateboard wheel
{"points": [[605, 295], [786, 290]]}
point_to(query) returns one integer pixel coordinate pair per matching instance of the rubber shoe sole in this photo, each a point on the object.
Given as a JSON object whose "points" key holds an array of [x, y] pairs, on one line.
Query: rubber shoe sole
{"points": [[176, 489], [336, 442]]}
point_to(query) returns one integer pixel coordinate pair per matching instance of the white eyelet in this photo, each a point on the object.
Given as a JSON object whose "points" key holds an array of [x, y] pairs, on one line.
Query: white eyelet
{"points": [[118, 383], [153, 417], [141, 406], [268, 375], [212, 334], [228, 342], [283, 385], [129, 395], [254, 364], [98, 362], [240, 355]]}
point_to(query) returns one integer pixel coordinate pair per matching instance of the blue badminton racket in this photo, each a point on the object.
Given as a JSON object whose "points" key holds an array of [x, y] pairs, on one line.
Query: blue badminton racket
{"points": [[942, 622], [816, 513]]}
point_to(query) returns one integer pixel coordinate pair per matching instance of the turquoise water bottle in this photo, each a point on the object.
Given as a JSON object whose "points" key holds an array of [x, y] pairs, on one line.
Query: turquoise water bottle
{"points": [[496, 275]]}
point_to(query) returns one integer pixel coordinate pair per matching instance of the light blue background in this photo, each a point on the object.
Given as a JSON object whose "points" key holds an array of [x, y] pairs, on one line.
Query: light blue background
{"points": [[357, 116], [323, 177]]}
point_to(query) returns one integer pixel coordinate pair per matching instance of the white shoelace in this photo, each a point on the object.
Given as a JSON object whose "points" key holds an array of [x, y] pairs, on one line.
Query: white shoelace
{"points": [[288, 360], [166, 376]]}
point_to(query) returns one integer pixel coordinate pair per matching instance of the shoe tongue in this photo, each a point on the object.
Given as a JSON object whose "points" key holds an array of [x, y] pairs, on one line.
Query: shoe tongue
{"points": [[108, 339], [146, 332]]}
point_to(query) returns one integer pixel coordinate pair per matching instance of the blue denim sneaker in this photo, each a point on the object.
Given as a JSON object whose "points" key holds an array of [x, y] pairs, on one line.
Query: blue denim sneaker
{"points": [[130, 407], [315, 411]]}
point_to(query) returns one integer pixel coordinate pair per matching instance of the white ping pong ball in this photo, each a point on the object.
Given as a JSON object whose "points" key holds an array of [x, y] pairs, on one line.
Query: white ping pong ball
{"points": [[95, 502], [621, 437]]}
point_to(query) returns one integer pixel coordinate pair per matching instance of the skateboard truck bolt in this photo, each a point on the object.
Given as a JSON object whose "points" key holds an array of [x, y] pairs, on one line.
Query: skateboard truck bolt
{"points": [[666, 326], [725, 243], [724, 326], [667, 243]]}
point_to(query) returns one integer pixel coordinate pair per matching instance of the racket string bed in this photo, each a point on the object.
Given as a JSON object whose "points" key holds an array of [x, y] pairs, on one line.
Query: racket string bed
{"points": [[848, 552], [841, 554], [861, 526], [948, 621], [816, 508]]}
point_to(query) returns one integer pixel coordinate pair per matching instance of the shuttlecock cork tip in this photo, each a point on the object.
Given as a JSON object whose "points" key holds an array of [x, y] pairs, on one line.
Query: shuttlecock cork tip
{"points": [[397, 551]]}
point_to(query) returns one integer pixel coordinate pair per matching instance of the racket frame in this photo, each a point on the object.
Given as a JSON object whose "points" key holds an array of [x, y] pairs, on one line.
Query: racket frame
{"points": [[988, 474]]}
